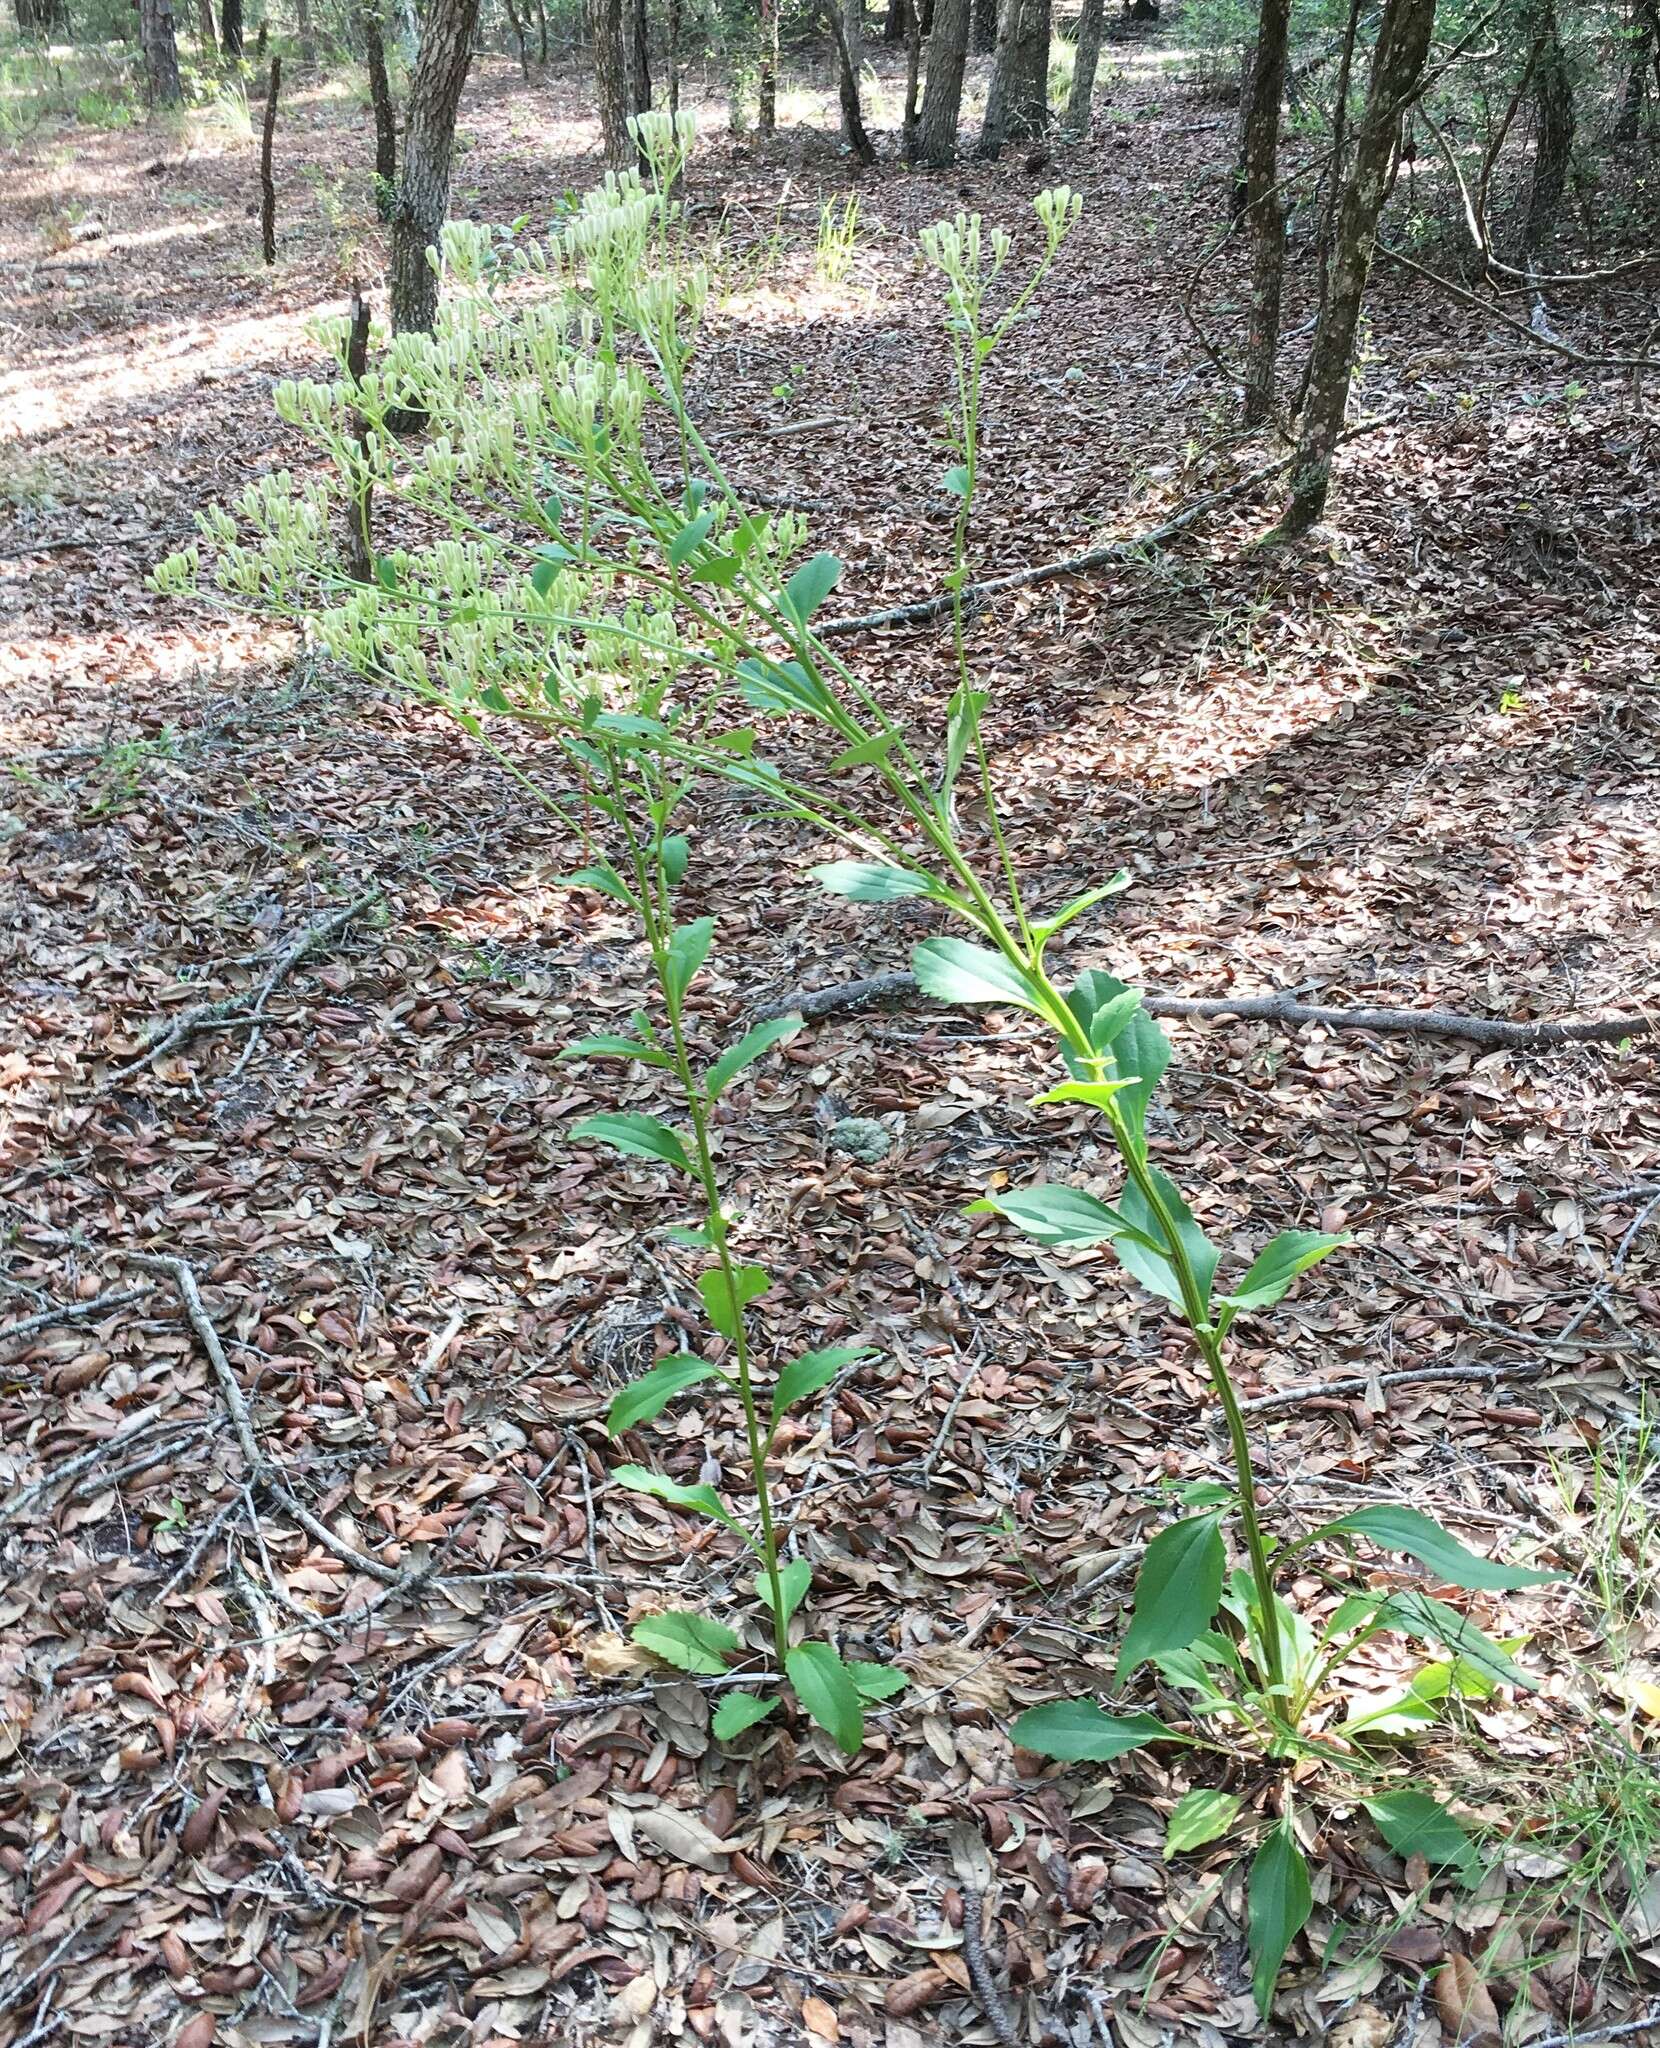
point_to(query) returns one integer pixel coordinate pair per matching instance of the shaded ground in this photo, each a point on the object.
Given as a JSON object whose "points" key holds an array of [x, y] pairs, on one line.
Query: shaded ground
{"points": [[1419, 763]]}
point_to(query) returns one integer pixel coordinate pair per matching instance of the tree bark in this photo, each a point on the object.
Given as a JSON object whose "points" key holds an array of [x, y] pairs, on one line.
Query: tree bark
{"points": [[518, 28], [380, 99], [1264, 213], [985, 27], [1017, 106], [161, 52], [267, 182], [893, 26], [428, 149], [207, 35], [674, 56], [1645, 50], [942, 96], [637, 66], [1081, 99], [40, 17], [1397, 67], [606, 26], [1553, 112], [847, 76], [303, 33], [230, 27], [360, 539], [766, 88]]}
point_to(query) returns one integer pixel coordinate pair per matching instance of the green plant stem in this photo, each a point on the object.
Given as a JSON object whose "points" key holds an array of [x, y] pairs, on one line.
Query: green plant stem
{"points": [[650, 882]]}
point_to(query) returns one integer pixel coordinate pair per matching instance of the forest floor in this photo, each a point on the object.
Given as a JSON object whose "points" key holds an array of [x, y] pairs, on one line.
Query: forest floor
{"points": [[252, 1791]]}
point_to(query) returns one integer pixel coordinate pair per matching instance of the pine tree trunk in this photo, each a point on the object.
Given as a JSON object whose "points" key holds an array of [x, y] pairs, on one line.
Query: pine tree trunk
{"points": [[207, 35], [913, 73], [605, 26], [267, 181], [230, 27], [1017, 106], [380, 99], [1645, 49], [942, 96], [1080, 101], [1264, 213], [638, 58], [766, 88], [985, 27], [674, 56], [1397, 67], [161, 52], [1553, 108], [428, 148], [893, 26]]}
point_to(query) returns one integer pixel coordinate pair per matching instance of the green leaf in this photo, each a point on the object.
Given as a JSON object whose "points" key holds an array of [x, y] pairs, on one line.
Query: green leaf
{"points": [[760, 1039], [1078, 1731], [701, 1500], [1272, 1271], [738, 1711], [604, 1047], [690, 538], [1413, 1824], [1177, 1591], [866, 751], [807, 1375], [1199, 1818], [1137, 1044], [690, 1642], [825, 1687], [603, 877], [1079, 904], [807, 589], [1432, 1621], [652, 1392], [782, 686], [1394, 1527], [794, 1579], [1152, 1268], [878, 1681], [1054, 1215], [956, 481], [628, 1130], [726, 1299], [677, 852], [688, 948], [957, 972], [1280, 1901], [868, 881], [721, 570]]}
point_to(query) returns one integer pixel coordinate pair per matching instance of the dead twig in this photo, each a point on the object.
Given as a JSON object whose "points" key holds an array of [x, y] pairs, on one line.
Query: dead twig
{"points": [[71, 1312], [1420, 1376], [228, 1014], [979, 1970], [261, 1471], [1274, 1009]]}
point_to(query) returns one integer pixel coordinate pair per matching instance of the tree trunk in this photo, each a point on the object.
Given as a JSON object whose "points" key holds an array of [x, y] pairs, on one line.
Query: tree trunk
{"points": [[360, 538], [913, 72], [40, 17], [302, 25], [1091, 23], [161, 52], [1645, 49], [766, 87], [1264, 214], [267, 182], [942, 96], [518, 28], [605, 25], [674, 56], [1553, 109], [230, 27], [1397, 67], [893, 27], [985, 27], [847, 77], [638, 58], [380, 98], [1017, 106], [428, 147], [207, 35], [542, 28]]}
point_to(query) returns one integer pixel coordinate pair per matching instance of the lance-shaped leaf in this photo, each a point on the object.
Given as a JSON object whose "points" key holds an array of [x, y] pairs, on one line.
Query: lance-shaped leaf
{"points": [[652, 1392], [869, 881], [825, 1687], [1177, 1591], [794, 1579], [1413, 1824], [1279, 1900], [1433, 1621], [726, 1299], [687, 951], [1047, 929], [782, 686], [1054, 1215], [1153, 1267], [738, 1711], [807, 589], [756, 1041], [1079, 1732], [807, 1375], [1270, 1274], [1198, 1818], [700, 1499], [606, 1047], [962, 722], [690, 1642], [603, 877], [1392, 1526], [628, 1130], [957, 972]]}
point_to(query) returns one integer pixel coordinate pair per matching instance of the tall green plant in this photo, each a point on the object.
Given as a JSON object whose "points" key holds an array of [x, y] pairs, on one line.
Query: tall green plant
{"points": [[598, 580]]}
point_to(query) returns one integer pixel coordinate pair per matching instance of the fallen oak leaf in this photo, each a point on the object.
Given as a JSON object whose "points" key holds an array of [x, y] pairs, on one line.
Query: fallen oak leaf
{"points": [[684, 1837], [1469, 2018], [912, 1993]]}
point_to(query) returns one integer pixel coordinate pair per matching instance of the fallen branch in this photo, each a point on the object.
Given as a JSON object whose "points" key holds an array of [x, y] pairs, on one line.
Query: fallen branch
{"points": [[979, 1970], [901, 987], [228, 1014], [1421, 1376], [261, 1471], [70, 1312]]}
